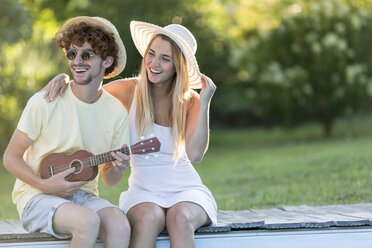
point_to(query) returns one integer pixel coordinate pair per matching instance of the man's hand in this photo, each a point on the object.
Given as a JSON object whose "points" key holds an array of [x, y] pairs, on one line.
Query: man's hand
{"points": [[121, 161], [59, 186], [113, 172]]}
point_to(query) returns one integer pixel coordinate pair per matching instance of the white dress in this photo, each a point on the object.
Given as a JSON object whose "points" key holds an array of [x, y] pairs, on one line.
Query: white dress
{"points": [[155, 178]]}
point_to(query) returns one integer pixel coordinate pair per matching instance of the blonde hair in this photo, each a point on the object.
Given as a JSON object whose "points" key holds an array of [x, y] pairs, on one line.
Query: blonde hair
{"points": [[180, 94]]}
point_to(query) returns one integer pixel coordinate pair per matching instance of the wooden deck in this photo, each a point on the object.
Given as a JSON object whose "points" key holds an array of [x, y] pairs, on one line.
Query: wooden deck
{"points": [[288, 226]]}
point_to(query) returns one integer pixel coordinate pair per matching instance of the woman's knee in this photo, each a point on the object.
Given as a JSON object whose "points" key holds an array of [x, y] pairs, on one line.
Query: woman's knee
{"points": [[147, 218], [186, 216], [180, 221]]}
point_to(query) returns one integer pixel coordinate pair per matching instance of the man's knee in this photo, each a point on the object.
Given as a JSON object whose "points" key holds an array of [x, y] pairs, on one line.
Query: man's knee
{"points": [[115, 228], [74, 219], [123, 231], [89, 219], [120, 223]]}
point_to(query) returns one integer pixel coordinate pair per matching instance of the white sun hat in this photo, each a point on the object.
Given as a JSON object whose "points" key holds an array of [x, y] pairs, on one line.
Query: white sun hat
{"points": [[109, 28], [143, 32]]}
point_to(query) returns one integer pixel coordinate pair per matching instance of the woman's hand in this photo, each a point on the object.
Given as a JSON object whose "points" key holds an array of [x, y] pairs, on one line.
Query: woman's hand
{"points": [[208, 89], [57, 85]]}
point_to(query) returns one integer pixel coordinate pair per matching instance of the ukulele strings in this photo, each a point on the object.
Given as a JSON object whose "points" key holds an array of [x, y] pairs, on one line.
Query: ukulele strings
{"points": [[83, 162], [64, 167]]}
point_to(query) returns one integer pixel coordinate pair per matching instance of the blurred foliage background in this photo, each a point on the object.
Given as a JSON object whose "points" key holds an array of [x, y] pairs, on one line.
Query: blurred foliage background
{"points": [[275, 62], [292, 114]]}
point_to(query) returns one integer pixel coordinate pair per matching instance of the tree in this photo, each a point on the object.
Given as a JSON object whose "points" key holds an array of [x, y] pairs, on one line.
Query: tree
{"points": [[313, 66], [15, 25], [208, 20]]}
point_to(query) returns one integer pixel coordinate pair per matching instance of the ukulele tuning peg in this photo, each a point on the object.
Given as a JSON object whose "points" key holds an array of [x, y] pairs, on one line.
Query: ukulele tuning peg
{"points": [[142, 137], [152, 135], [147, 157], [156, 155]]}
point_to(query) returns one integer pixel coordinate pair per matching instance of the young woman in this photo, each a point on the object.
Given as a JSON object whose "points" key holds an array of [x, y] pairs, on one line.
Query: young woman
{"points": [[165, 190]]}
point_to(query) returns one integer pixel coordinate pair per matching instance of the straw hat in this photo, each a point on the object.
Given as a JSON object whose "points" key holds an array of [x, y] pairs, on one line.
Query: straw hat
{"points": [[109, 28], [142, 33]]}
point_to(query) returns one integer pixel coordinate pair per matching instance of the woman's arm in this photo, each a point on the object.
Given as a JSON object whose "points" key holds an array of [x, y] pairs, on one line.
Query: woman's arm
{"points": [[197, 126], [57, 85], [122, 89]]}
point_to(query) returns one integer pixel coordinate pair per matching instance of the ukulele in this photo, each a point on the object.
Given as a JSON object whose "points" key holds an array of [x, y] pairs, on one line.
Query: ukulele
{"points": [[86, 164]]}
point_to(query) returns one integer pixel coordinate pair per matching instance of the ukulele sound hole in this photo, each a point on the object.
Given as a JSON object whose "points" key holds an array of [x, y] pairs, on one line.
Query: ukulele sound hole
{"points": [[77, 164]]}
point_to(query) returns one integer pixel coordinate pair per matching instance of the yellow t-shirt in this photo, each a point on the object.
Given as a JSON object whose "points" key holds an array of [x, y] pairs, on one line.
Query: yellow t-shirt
{"points": [[65, 126]]}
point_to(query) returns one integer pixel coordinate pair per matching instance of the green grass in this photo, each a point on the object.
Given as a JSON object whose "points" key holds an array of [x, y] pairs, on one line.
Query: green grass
{"points": [[268, 168], [7, 208], [263, 168]]}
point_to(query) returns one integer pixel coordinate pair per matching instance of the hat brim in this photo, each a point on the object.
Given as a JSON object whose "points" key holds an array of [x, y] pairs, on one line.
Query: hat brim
{"points": [[142, 34], [109, 28]]}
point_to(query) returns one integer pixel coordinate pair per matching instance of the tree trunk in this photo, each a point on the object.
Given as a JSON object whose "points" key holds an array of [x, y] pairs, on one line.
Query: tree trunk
{"points": [[327, 128]]}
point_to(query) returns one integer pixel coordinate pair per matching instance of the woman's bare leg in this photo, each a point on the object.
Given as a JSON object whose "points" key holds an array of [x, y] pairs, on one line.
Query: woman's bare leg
{"points": [[147, 220], [182, 220]]}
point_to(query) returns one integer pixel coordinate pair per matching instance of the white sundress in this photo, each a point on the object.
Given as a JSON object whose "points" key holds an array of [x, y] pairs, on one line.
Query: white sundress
{"points": [[155, 178]]}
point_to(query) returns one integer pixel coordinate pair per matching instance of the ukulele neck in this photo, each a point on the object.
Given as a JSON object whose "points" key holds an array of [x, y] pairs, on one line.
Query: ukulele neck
{"points": [[107, 157]]}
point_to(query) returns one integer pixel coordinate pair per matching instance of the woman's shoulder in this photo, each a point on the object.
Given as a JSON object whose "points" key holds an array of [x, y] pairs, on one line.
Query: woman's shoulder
{"points": [[121, 84]]}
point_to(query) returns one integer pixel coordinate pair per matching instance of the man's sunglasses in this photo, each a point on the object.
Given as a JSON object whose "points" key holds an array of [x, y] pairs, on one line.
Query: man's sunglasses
{"points": [[85, 54]]}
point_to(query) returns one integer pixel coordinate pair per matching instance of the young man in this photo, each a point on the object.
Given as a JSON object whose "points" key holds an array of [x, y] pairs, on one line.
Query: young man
{"points": [[85, 117]]}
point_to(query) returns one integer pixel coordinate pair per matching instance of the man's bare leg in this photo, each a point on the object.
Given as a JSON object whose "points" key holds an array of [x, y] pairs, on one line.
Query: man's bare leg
{"points": [[81, 222]]}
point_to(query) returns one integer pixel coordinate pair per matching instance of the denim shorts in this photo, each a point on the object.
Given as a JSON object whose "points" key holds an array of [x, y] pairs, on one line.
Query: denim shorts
{"points": [[39, 211]]}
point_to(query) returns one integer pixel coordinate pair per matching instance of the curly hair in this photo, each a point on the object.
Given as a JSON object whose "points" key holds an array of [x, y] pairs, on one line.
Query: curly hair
{"points": [[103, 43]]}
